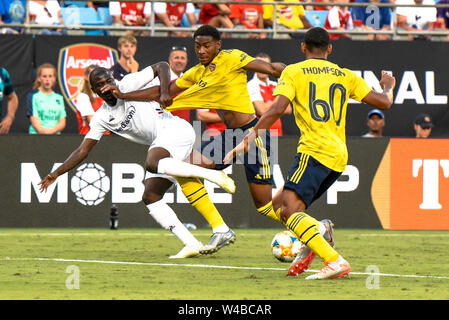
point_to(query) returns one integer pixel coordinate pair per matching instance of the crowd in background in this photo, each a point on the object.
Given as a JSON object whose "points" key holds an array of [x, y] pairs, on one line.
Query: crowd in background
{"points": [[238, 18]]}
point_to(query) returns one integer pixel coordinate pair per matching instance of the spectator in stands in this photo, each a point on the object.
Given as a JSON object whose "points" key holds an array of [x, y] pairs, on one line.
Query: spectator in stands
{"points": [[127, 46], [415, 18], [78, 4], [177, 60], [320, 8], [125, 13], [86, 103], [7, 91], [12, 11], [247, 16], [443, 17], [372, 18], [375, 123], [170, 14], [216, 15], [288, 17], [423, 125], [212, 121], [46, 13], [339, 19], [260, 89], [45, 108]]}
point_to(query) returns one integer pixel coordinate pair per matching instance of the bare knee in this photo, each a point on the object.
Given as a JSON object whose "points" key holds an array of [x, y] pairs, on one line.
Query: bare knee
{"points": [[151, 165], [151, 197]]}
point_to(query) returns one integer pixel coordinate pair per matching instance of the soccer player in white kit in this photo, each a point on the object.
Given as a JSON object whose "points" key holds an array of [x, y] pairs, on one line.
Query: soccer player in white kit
{"points": [[170, 139]]}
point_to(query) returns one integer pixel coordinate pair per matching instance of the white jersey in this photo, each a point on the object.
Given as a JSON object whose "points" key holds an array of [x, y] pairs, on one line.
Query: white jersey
{"points": [[137, 121]]}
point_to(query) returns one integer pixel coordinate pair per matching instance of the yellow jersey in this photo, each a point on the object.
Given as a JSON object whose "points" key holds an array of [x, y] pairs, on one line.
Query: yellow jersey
{"points": [[319, 91], [287, 15], [219, 85]]}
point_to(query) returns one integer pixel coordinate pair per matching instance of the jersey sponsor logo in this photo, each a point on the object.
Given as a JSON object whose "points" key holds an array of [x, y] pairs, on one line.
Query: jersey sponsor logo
{"points": [[72, 62], [130, 112]]}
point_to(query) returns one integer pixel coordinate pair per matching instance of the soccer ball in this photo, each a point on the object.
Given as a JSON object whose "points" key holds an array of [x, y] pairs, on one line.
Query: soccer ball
{"points": [[285, 246]]}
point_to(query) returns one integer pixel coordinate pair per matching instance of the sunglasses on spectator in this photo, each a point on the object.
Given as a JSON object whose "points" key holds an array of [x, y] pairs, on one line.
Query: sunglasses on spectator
{"points": [[176, 48]]}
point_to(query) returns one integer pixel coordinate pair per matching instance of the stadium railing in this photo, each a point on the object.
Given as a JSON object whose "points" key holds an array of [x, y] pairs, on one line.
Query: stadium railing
{"points": [[104, 21]]}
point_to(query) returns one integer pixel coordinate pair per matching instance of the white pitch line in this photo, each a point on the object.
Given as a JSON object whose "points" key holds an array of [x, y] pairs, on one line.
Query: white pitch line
{"points": [[218, 267]]}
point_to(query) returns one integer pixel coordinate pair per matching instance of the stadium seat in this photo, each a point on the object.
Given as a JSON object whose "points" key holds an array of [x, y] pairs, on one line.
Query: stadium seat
{"points": [[316, 17], [82, 16], [105, 16], [185, 22]]}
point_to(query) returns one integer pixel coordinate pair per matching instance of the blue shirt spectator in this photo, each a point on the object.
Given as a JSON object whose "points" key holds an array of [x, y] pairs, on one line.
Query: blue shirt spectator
{"points": [[372, 18], [12, 11]]}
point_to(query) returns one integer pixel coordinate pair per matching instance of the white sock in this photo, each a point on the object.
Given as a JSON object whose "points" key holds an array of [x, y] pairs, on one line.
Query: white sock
{"points": [[222, 228], [180, 168], [166, 217]]}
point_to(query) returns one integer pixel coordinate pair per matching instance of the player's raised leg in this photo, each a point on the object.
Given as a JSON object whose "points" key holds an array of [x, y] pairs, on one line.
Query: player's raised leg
{"points": [[155, 189]]}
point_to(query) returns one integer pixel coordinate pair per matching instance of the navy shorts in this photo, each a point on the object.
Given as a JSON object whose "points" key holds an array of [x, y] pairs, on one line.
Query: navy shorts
{"points": [[257, 162], [309, 178]]}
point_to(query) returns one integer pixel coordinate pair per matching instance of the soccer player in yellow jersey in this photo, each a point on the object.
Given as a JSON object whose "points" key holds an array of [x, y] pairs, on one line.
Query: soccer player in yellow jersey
{"points": [[219, 82], [319, 91]]}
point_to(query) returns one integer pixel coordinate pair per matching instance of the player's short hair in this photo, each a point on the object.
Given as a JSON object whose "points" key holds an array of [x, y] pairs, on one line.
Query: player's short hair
{"points": [[262, 55], [317, 38], [207, 30], [97, 73]]}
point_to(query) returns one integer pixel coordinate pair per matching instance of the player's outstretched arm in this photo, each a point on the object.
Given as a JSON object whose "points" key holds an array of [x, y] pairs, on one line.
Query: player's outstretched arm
{"points": [[265, 122], [382, 100], [148, 94], [274, 69], [71, 162]]}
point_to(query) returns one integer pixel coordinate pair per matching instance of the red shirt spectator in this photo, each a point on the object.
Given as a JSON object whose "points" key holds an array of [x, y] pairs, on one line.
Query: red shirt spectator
{"points": [[247, 14], [174, 11], [130, 13], [339, 18]]}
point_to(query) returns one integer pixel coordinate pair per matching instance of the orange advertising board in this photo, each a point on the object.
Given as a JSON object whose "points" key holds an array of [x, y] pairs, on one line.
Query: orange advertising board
{"points": [[411, 187]]}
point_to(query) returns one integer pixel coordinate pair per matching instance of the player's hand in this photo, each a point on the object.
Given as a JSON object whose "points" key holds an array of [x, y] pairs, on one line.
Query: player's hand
{"points": [[388, 81], [239, 150], [132, 64], [46, 182], [114, 90], [165, 100]]}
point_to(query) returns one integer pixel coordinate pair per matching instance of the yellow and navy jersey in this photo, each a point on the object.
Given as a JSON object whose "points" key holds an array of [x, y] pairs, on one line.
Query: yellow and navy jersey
{"points": [[219, 85], [319, 91]]}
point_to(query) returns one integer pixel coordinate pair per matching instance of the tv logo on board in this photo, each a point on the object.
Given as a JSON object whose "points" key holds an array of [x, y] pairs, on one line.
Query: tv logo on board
{"points": [[430, 169], [73, 61]]}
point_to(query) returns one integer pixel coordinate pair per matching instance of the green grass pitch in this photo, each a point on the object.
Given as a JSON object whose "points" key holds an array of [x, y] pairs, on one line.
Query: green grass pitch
{"points": [[92, 264]]}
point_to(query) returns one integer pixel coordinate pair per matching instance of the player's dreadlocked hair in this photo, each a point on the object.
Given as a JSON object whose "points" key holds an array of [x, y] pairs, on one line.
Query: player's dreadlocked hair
{"points": [[207, 30], [317, 38]]}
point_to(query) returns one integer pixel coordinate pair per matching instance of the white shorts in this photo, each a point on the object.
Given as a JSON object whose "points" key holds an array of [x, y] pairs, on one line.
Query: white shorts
{"points": [[177, 136]]}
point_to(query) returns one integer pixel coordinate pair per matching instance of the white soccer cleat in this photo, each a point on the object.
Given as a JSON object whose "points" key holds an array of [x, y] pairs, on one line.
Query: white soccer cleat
{"points": [[186, 252], [226, 183], [332, 270]]}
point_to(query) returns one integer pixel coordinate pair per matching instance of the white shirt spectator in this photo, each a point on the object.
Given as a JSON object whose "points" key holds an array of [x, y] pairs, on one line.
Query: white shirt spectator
{"points": [[45, 14], [417, 17]]}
